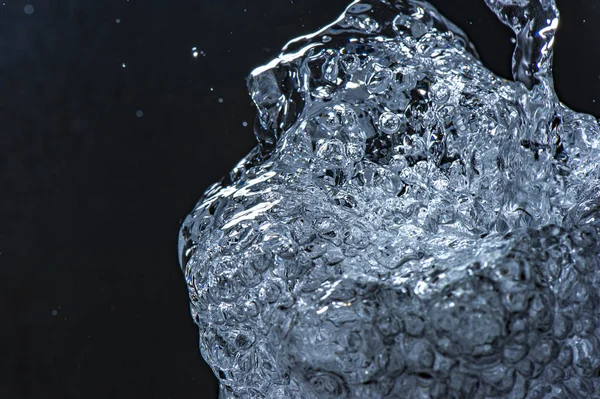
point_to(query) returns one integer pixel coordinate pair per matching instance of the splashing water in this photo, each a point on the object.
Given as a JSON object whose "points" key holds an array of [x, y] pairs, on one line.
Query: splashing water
{"points": [[409, 226]]}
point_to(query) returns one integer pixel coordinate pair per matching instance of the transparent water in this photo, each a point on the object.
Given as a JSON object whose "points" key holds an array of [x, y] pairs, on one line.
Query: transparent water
{"points": [[409, 226]]}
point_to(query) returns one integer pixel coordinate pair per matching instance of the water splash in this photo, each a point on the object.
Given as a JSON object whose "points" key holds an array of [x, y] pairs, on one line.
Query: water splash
{"points": [[534, 23], [410, 225]]}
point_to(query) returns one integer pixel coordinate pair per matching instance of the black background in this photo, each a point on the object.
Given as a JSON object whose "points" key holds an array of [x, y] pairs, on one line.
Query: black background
{"points": [[92, 301]]}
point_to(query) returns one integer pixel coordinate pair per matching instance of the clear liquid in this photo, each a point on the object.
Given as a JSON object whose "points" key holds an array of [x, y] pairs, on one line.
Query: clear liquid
{"points": [[409, 226]]}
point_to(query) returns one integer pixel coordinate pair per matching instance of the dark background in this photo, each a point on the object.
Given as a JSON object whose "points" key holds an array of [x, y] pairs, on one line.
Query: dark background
{"points": [[92, 301]]}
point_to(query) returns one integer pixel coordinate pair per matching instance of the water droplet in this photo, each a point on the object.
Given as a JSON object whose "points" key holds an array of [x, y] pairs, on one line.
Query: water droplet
{"points": [[244, 123], [29, 9], [139, 113], [118, 21], [220, 100], [54, 312]]}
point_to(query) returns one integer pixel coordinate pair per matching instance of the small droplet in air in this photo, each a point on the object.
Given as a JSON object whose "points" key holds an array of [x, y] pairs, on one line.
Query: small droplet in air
{"points": [[195, 52], [139, 113], [29, 9], [244, 123], [118, 21], [123, 65], [220, 100], [54, 312]]}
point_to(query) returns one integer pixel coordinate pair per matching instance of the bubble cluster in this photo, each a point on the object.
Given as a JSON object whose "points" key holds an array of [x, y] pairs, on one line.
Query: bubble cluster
{"points": [[409, 226]]}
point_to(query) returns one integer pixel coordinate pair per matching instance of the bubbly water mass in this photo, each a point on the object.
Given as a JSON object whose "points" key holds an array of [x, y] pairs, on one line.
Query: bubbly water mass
{"points": [[409, 226]]}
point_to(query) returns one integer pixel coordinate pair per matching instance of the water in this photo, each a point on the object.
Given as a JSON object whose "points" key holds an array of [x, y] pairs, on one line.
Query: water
{"points": [[409, 226]]}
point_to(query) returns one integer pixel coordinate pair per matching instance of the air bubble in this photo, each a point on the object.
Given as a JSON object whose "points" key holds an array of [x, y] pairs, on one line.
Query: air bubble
{"points": [[350, 63], [389, 122], [379, 79]]}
